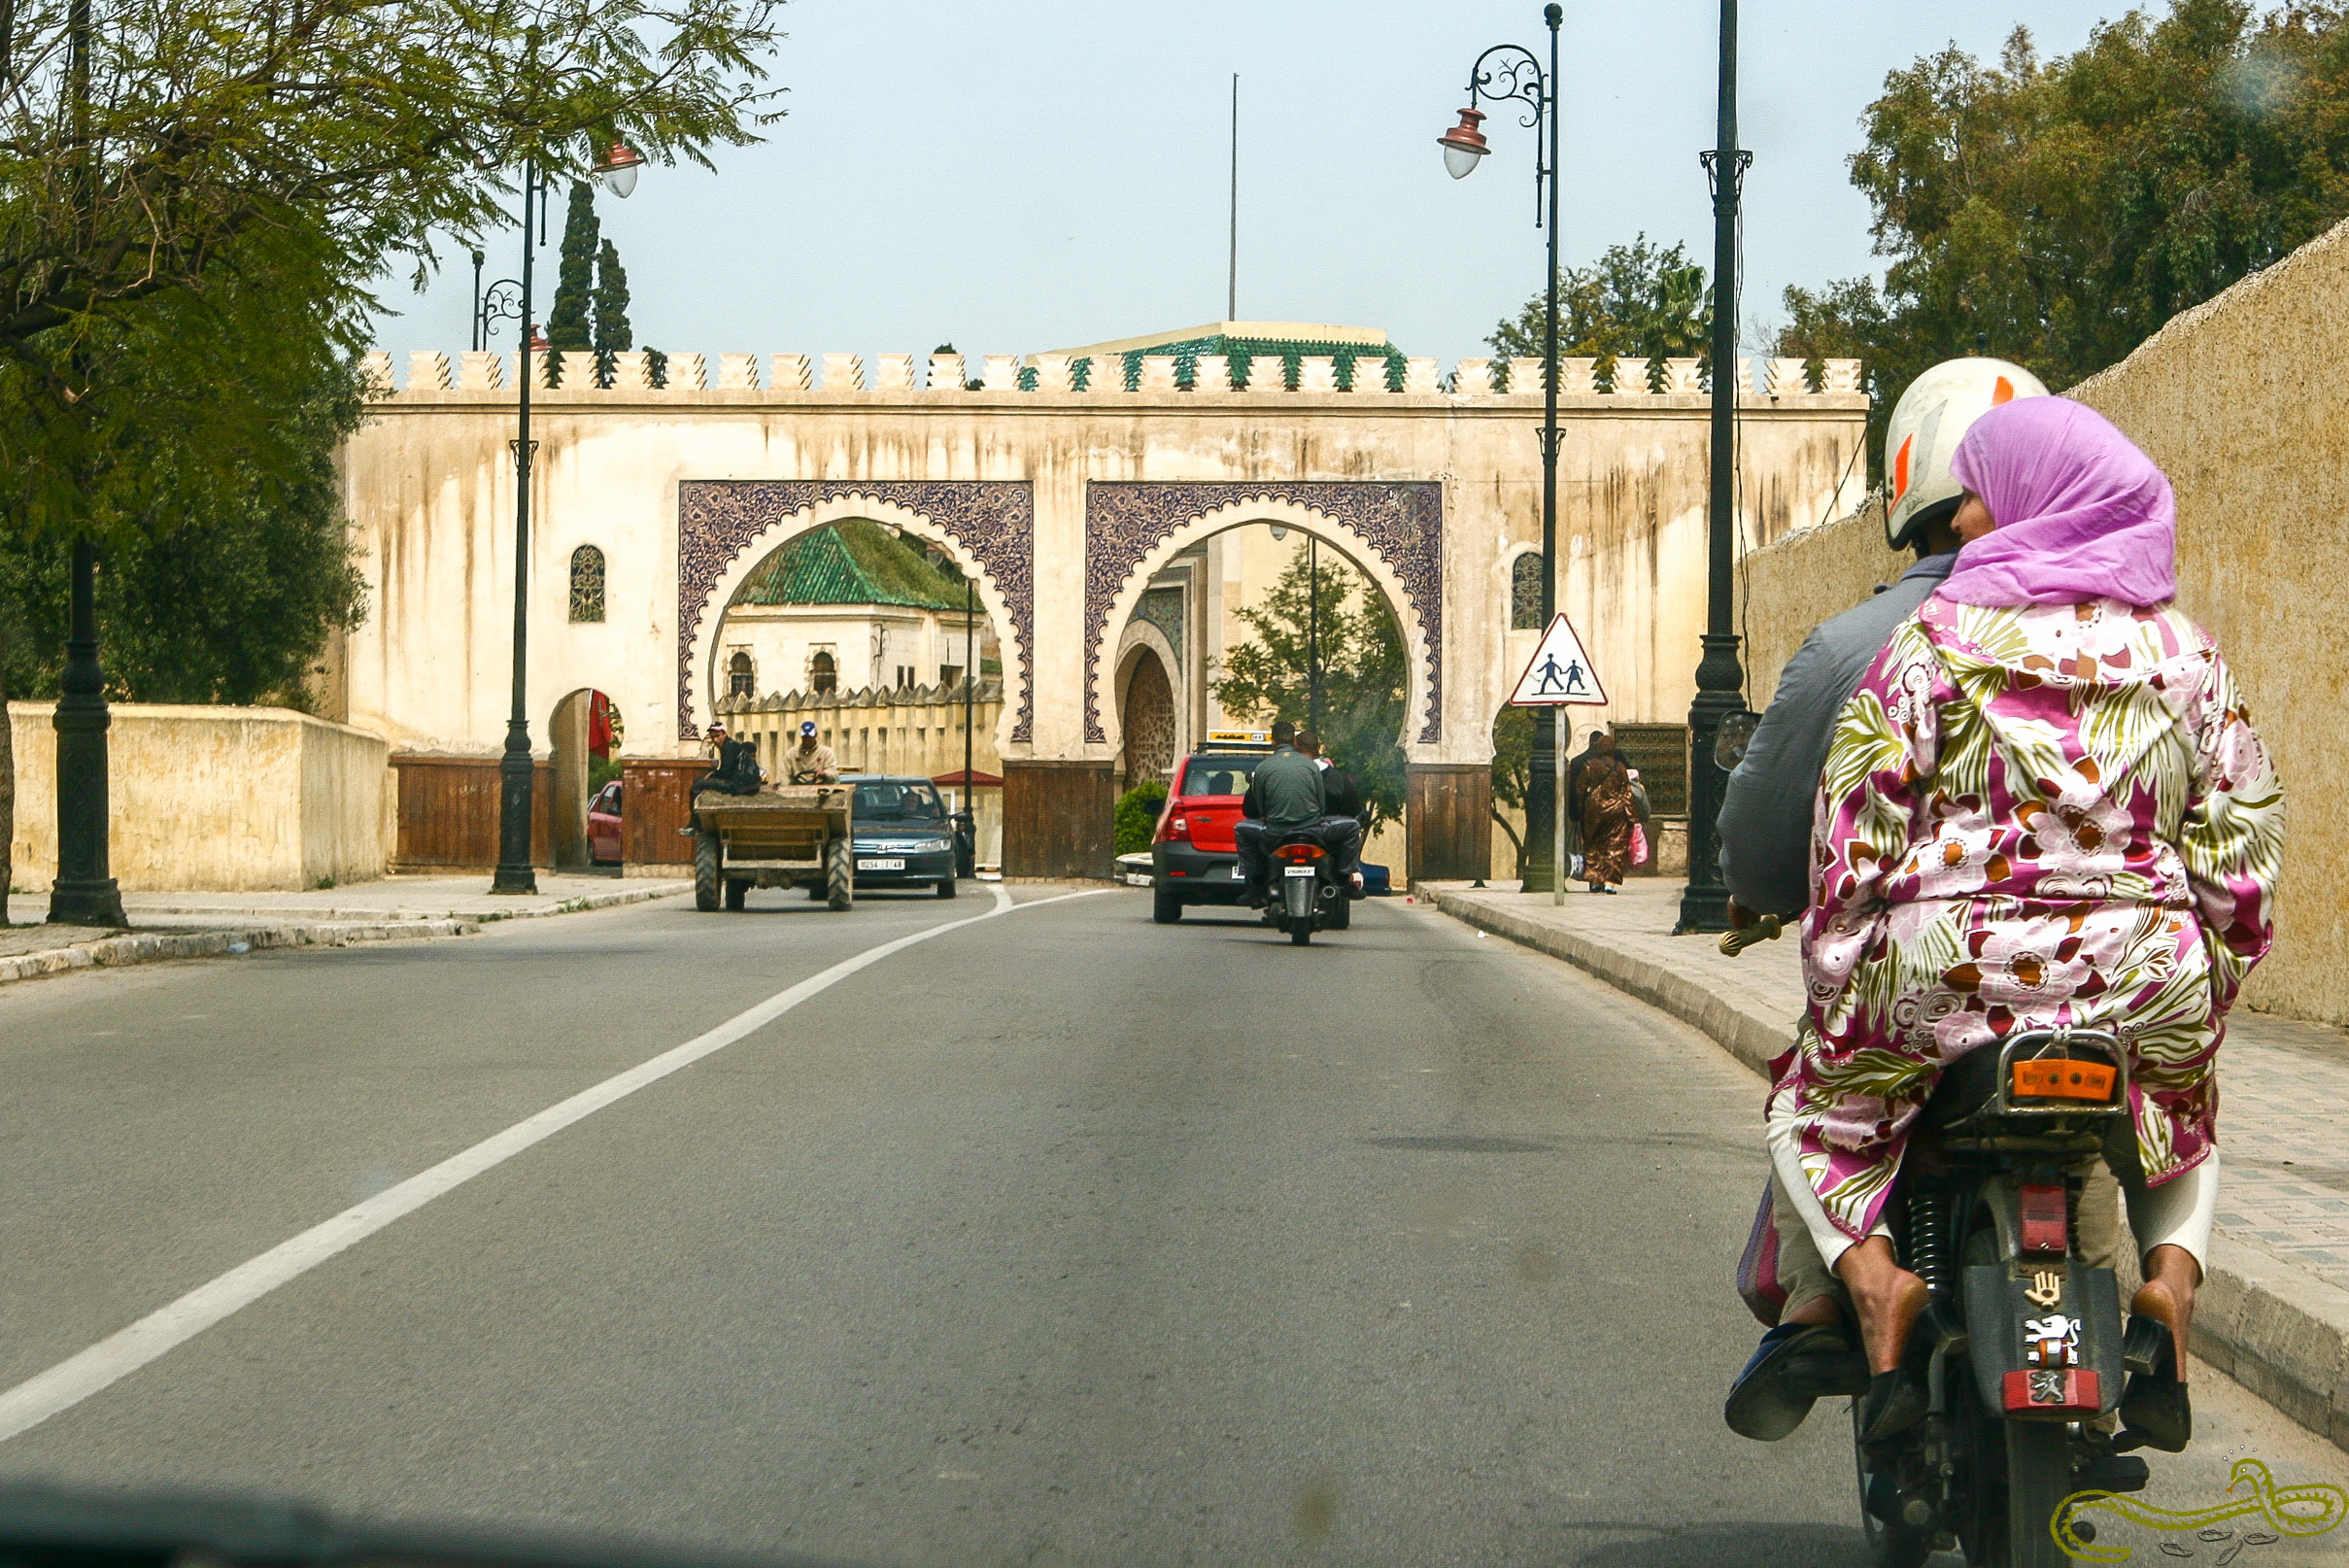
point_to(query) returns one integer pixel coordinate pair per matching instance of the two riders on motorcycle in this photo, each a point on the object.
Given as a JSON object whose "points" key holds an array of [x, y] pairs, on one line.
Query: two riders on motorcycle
{"points": [[1291, 792], [2126, 827]]}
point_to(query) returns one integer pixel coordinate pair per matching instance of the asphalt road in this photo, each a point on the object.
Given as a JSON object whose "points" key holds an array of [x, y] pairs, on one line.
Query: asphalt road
{"points": [[1055, 1237]]}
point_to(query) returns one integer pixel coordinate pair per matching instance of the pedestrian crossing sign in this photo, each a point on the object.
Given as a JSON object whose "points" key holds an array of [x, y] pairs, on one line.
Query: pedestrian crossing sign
{"points": [[1559, 674]]}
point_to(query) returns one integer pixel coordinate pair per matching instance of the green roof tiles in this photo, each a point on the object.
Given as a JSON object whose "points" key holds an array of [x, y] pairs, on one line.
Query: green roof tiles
{"points": [[852, 563]]}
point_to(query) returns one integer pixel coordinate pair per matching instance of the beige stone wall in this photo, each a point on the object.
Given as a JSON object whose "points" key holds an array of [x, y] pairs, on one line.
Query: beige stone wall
{"points": [[215, 799], [429, 485], [2235, 400]]}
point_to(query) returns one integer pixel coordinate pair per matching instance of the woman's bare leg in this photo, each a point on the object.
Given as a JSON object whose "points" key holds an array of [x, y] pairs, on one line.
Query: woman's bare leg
{"points": [[1886, 1297], [2171, 1277]]}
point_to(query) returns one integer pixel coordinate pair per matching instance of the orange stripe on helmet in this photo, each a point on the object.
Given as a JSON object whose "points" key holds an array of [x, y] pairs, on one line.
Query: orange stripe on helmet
{"points": [[2002, 393], [1900, 468]]}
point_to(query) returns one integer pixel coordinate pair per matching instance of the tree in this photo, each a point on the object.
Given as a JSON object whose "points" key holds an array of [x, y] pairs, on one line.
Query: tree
{"points": [[1362, 676], [569, 329], [2060, 212], [375, 128], [1640, 300], [613, 335], [1512, 770]]}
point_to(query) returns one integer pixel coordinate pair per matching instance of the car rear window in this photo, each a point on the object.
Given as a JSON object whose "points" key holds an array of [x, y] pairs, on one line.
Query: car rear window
{"points": [[898, 803], [1219, 776]]}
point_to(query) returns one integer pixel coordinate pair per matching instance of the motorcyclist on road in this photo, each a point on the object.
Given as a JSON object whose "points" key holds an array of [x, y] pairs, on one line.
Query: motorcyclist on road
{"points": [[1285, 794], [1765, 834], [1340, 827], [2043, 806]]}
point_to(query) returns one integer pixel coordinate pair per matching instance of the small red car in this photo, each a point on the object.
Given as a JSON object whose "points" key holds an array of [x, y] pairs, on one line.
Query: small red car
{"points": [[603, 826], [1193, 859]]}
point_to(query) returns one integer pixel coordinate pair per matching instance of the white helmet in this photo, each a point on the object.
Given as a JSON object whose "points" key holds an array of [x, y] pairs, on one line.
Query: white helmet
{"points": [[1939, 407]]}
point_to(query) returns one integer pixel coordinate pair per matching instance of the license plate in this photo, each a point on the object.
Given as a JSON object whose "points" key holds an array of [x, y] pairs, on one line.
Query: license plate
{"points": [[881, 866], [1299, 871]]}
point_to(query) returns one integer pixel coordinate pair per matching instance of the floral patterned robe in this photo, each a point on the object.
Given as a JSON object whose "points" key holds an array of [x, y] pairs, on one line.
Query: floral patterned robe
{"points": [[2029, 816]]}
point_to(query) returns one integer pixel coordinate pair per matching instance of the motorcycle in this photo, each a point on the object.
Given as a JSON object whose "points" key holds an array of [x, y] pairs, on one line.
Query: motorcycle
{"points": [[2021, 1345], [1308, 895]]}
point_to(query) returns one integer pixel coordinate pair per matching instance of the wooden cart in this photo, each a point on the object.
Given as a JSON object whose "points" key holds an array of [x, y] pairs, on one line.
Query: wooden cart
{"points": [[793, 835]]}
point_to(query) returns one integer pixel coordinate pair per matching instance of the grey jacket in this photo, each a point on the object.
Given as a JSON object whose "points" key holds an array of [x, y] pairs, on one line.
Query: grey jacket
{"points": [[1765, 820], [1286, 792]]}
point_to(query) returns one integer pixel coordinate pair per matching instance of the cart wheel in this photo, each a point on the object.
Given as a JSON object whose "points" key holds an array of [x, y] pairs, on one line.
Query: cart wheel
{"points": [[840, 874], [705, 872], [735, 893], [946, 888]]}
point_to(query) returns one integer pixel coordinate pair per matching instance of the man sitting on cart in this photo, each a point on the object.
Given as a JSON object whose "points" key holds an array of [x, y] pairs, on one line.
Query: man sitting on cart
{"points": [[808, 762], [737, 771]]}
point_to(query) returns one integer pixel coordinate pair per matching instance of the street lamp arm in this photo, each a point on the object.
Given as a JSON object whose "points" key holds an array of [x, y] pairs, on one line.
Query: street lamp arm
{"points": [[1518, 78]]}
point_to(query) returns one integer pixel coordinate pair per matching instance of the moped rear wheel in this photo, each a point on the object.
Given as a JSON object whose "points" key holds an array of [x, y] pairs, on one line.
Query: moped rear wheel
{"points": [[2038, 1478]]}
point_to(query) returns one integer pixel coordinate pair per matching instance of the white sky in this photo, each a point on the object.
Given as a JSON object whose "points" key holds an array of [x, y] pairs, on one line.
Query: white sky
{"points": [[1028, 175]]}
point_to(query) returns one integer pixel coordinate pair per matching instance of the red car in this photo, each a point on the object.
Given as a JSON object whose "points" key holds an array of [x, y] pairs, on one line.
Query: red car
{"points": [[1193, 859], [603, 826]]}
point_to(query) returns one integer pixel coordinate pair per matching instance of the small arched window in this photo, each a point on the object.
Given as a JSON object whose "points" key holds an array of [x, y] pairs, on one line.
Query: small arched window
{"points": [[587, 583], [741, 677], [1525, 593], [823, 673]]}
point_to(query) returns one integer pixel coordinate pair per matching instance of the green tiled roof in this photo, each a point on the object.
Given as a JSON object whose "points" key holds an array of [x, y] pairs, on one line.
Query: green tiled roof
{"points": [[852, 563]]}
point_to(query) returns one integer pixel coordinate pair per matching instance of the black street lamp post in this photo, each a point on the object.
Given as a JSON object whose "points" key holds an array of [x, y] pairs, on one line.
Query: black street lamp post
{"points": [[1517, 76], [1719, 679], [616, 171]]}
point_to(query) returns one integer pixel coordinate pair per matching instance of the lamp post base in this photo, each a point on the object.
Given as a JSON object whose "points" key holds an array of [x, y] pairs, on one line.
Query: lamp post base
{"points": [[518, 777], [1705, 902], [82, 902]]}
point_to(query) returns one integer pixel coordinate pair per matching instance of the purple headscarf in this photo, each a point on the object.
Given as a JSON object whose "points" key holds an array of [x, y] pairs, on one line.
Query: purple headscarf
{"points": [[2082, 513]]}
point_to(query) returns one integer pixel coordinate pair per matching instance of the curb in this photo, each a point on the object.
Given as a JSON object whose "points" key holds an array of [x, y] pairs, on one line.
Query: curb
{"points": [[155, 947], [477, 917], [2272, 1328]]}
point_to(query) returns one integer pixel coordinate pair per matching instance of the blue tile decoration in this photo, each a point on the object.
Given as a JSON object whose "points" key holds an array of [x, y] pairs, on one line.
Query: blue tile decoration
{"points": [[993, 521], [1163, 608], [1401, 523]]}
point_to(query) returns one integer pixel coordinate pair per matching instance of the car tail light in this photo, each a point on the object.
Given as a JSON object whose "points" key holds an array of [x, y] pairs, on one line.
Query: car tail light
{"points": [[1174, 827]]}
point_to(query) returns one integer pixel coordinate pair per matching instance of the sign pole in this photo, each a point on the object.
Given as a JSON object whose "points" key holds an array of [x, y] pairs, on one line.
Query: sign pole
{"points": [[1557, 840]]}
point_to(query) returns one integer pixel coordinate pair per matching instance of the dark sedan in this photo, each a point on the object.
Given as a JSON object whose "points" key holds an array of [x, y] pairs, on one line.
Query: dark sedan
{"points": [[899, 831]]}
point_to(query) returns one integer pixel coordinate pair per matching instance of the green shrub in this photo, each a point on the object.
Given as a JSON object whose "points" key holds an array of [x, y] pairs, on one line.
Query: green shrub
{"points": [[1137, 815]]}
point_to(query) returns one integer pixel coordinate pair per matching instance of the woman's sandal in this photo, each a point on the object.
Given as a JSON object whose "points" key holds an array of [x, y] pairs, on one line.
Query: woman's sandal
{"points": [[2154, 1411]]}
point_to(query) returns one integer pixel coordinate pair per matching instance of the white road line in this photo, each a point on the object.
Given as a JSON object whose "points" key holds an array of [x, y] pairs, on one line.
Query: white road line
{"points": [[115, 1357]]}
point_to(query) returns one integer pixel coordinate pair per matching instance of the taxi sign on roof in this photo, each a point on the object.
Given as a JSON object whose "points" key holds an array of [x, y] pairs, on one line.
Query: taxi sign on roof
{"points": [[1239, 740], [1559, 674]]}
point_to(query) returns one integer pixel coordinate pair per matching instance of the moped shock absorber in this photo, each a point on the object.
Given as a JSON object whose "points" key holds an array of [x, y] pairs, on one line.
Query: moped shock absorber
{"points": [[1930, 1240]]}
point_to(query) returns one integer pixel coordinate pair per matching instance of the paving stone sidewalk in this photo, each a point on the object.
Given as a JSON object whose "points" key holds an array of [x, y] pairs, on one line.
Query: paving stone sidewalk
{"points": [[2276, 1312], [200, 925]]}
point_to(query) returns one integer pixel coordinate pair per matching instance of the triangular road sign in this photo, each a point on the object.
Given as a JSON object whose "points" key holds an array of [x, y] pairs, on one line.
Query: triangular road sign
{"points": [[1560, 673]]}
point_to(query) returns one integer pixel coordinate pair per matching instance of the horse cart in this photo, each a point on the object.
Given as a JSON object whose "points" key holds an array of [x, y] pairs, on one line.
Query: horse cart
{"points": [[791, 836]]}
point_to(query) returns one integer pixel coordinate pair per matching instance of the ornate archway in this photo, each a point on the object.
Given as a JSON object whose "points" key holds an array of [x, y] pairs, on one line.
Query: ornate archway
{"points": [[725, 527], [1146, 717], [1393, 532]]}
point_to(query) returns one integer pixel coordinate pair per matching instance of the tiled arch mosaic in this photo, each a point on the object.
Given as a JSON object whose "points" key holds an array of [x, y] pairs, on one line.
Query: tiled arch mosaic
{"points": [[992, 521], [1402, 521]]}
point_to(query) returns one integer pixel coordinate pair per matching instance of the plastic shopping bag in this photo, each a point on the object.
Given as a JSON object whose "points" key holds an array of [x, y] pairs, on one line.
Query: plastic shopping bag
{"points": [[1639, 844]]}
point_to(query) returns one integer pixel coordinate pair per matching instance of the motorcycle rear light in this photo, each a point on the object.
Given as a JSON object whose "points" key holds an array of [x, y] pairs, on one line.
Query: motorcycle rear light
{"points": [[2062, 1079], [2072, 1392], [1295, 852], [2046, 1224]]}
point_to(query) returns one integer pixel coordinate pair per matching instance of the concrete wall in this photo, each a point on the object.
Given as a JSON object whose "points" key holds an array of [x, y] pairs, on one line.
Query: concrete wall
{"points": [[2234, 399], [215, 799]]}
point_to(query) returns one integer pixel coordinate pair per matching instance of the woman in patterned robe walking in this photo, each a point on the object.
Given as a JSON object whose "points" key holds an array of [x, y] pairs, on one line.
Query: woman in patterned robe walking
{"points": [[1606, 813], [2044, 806]]}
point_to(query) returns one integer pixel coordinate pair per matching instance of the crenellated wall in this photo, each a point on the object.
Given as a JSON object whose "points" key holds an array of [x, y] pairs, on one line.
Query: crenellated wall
{"points": [[1062, 501]]}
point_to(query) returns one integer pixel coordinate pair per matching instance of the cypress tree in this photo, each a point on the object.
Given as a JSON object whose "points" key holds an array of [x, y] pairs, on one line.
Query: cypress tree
{"points": [[568, 329], [612, 332]]}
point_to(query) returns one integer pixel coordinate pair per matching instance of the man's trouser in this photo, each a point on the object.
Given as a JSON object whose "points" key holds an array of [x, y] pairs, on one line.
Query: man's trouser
{"points": [[1341, 836]]}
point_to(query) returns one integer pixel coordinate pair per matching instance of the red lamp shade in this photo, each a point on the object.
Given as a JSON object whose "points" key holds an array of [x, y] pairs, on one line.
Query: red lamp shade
{"points": [[616, 171], [1464, 144]]}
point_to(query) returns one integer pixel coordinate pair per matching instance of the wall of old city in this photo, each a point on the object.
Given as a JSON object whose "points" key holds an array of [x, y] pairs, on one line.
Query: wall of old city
{"points": [[2231, 398], [215, 799]]}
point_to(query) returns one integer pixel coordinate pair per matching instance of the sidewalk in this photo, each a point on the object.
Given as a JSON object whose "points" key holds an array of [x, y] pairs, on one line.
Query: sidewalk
{"points": [[204, 925], [2274, 1312]]}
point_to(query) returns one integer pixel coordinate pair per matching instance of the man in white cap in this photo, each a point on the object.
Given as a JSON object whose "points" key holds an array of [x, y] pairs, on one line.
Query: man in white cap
{"points": [[808, 762]]}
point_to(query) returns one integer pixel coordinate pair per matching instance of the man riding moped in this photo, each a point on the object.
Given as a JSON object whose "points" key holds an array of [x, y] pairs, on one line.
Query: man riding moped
{"points": [[1284, 795]]}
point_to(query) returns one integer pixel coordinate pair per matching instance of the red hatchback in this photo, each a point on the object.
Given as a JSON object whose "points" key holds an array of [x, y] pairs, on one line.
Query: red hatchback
{"points": [[1193, 859]]}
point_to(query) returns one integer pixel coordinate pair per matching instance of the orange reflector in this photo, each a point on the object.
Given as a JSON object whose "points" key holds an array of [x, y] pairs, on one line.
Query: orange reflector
{"points": [[2058, 1078], [1299, 852]]}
